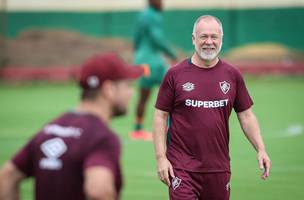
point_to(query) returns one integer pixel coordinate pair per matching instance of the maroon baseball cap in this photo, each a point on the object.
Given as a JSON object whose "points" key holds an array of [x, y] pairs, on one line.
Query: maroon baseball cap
{"points": [[107, 66]]}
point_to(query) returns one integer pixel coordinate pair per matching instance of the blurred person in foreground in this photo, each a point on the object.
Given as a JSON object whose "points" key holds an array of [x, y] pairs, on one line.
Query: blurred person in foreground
{"points": [[198, 95], [77, 156], [149, 44]]}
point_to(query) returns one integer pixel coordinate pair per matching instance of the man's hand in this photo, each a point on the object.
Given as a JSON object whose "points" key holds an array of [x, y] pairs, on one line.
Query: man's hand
{"points": [[264, 164], [164, 170]]}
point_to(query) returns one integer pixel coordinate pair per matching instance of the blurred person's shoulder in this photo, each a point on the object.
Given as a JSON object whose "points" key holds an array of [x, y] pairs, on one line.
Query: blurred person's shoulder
{"points": [[179, 67], [95, 132], [147, 17], [151, 14], [89, 124]]}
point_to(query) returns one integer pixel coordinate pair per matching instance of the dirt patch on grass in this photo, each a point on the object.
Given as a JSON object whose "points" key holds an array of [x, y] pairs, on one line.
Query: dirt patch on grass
{"points": [[47, 48], [264, 52], [43, 48]]}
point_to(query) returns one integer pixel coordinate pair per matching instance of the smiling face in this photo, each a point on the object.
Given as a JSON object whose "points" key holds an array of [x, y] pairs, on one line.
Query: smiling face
{"points": [[207, 39]]}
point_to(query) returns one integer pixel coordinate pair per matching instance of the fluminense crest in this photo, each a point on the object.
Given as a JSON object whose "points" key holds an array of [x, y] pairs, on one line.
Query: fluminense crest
{"points": [[225, 86]]}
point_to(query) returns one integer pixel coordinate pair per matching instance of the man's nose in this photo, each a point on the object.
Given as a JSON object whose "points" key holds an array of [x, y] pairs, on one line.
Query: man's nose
{"points": [[208, 40]]}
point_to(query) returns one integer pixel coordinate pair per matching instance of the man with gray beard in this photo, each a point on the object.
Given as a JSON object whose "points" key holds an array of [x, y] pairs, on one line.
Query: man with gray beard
{"points": [[198, 95]]}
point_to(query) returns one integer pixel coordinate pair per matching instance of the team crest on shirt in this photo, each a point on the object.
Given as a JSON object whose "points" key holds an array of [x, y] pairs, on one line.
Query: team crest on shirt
{"points": [[188, 87], [225, 86], [52, 149], [228, 186], [176, 182]]}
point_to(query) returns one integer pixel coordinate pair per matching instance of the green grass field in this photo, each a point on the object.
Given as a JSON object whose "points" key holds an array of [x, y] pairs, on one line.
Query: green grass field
{"points": [[278, 105]]}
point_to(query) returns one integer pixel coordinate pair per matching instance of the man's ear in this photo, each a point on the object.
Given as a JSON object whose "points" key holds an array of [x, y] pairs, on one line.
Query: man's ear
{"points": [[193, 38], [107, 89]]}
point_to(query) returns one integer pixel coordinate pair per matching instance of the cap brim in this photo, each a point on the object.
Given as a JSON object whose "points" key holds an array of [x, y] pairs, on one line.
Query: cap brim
{"points": [[135, 71]]}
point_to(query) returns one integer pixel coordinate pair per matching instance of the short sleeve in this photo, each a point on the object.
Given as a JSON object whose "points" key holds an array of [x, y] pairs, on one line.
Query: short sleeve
{"points": [[166, 93], [243, 100], [103, 153], [23, 159]]}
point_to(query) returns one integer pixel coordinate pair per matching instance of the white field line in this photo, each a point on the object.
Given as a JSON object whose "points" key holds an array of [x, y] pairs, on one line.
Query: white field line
{"points": [[293, 130]]}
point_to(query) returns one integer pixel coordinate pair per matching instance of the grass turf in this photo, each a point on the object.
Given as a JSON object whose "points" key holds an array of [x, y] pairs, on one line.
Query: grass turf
{"points": [[278, 106]]}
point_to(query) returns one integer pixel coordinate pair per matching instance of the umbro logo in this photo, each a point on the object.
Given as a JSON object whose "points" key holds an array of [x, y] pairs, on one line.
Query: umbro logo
{"points": [[188, 87]]}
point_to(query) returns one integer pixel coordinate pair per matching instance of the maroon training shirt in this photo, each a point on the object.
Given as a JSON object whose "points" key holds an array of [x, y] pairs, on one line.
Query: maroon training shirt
{"points": [[199, 102], [58, 155]]}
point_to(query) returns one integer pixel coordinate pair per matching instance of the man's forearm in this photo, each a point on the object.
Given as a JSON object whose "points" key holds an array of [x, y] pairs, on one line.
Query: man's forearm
{"points": [[9, 192], [9, 182], [159, 132], [251, 129]]}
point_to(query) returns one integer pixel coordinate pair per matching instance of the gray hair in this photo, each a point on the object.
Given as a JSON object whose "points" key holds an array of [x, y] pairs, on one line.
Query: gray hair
{"points": [[208, 17]]}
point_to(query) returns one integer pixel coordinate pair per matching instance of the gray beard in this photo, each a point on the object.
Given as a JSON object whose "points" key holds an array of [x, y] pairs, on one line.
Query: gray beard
{"points": [[211, 56]]}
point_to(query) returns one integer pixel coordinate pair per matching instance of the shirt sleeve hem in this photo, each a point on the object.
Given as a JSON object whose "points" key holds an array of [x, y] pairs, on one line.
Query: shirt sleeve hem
{"points": [[163, 108], [15, 163], [244, 108]]}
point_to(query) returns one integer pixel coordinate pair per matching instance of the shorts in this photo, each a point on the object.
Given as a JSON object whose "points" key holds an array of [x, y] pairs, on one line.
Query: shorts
{"points": [[199, 186], [154, 79]]}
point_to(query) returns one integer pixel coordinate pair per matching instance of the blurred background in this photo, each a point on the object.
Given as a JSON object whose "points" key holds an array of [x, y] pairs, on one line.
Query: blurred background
{"points": [[42, 42]]}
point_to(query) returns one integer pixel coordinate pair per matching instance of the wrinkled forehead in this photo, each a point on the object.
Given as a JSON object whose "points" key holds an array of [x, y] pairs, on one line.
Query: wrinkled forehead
{"points": [[208, 26]]}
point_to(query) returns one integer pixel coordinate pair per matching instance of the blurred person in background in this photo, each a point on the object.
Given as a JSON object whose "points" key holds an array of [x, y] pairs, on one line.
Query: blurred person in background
{"points": [[149, 45], [77, 156], [198, 95]]}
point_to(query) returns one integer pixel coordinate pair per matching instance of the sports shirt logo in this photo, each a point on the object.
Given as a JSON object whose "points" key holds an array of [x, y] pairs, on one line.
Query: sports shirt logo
{"points": [[62, 131], [176, 182], [52, 149], [188, 87], [228, 186], [225, 86]]}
